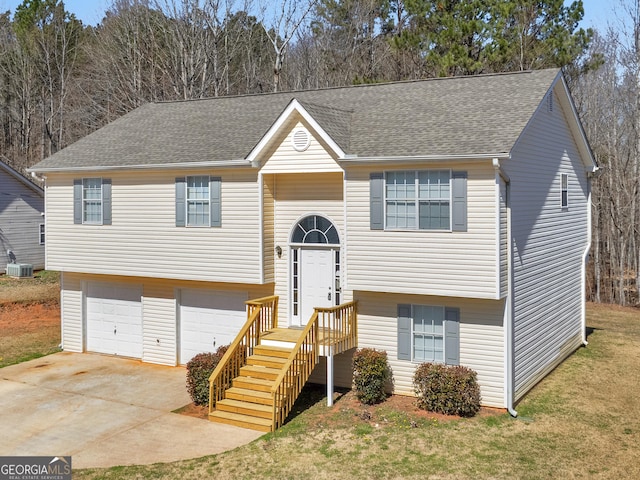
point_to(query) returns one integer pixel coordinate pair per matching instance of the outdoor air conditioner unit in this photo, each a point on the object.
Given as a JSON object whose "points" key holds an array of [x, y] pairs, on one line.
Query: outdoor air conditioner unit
{"points": [[20, 270]]}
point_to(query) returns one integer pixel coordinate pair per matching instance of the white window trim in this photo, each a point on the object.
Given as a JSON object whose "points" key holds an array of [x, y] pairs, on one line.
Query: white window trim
{"points": [[84, 203], [41, 232], [417, 199], [187, 201]]}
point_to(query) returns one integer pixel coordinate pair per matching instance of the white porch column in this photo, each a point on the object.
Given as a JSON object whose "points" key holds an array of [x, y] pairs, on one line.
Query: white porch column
{"points": [[330, 378]]}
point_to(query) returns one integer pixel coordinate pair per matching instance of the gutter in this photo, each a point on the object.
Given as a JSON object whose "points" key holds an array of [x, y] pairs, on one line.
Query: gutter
{"points": [[154, 166], [354, 159]]}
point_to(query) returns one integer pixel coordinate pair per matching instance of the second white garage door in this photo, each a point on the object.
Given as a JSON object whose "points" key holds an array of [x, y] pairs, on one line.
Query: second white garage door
{"points": [[209, 319], [114, 319]]}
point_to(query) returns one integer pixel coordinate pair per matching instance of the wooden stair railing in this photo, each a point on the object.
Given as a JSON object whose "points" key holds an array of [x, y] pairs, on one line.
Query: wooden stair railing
{"points": [[295, 373], [255, 385], [262, 315], [338, 328]]}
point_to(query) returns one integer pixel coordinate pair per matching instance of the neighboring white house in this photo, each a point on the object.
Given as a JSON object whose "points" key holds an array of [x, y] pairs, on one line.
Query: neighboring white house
{"points": [[21, 220], [455, 211]]}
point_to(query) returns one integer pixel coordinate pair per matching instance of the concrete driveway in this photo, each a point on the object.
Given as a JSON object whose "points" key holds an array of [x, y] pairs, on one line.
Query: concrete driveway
{"points": [[104, 411]]}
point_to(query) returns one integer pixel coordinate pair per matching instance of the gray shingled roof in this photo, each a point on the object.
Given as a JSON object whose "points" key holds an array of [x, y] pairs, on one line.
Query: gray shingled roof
{"points": [[451, 116]]}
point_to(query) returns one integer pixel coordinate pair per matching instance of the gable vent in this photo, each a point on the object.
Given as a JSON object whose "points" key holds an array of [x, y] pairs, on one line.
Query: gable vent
{"points": [[300, 140], [550, 102]]}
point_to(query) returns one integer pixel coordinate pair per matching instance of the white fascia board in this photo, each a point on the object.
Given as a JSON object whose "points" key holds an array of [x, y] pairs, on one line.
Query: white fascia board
{"points": [[157, 166], [294, 106], [483, 157]]}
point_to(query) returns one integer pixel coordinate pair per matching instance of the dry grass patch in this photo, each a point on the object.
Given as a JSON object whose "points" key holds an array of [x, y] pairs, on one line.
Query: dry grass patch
{"points": [[44, 287], [582, 421]]}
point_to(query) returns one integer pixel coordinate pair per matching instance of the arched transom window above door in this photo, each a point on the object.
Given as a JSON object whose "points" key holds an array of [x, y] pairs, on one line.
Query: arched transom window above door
{"points": [[315, 229]]}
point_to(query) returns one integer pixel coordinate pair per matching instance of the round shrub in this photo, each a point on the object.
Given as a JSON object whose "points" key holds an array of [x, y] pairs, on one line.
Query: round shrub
{"points": [[452, 390], [199, 369], [371, 374]]}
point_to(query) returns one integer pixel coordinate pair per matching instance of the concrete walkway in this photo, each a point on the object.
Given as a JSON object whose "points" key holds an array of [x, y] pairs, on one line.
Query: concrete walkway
{"points": [[104, 411]]}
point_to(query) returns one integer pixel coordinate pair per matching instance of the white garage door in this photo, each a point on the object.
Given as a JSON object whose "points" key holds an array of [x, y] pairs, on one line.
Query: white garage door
{"points": [[114, 319], [209, 319]]}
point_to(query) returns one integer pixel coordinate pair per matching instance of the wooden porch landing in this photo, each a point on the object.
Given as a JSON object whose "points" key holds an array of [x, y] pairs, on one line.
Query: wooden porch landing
{"points": [[291, 335]]}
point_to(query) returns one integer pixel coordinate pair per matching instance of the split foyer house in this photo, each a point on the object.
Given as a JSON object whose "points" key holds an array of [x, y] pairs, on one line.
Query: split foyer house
{"points": [[22, 233], [450, 216]]}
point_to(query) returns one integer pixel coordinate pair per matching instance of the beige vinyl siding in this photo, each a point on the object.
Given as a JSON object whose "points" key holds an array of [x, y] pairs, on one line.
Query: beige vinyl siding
{"points": [[159, 323], [283, 158], [268, 225], [504, 241], [548, 244], [143, 239], [425, 262], [481, 338], [296, 196], [71, 311]]}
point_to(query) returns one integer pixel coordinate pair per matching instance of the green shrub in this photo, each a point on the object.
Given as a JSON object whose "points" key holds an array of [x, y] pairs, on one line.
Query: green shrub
{"points": [[199, 369], [452, 390], [371, 374]]}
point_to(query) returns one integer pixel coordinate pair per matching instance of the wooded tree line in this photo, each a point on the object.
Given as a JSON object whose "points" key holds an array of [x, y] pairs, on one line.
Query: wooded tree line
{"points": [[60, 80]]}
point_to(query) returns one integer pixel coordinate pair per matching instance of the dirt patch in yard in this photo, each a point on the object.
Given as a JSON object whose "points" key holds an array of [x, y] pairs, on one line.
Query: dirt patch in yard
{"points": [[28, 330]]}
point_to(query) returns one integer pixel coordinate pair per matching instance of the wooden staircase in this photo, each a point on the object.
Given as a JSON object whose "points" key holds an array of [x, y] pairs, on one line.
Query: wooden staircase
{"points": [[264, 369], [249, 402]]}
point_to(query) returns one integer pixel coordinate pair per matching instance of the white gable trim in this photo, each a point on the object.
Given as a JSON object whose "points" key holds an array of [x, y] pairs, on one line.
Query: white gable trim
{"points": [[575, 125], [293, 107]]}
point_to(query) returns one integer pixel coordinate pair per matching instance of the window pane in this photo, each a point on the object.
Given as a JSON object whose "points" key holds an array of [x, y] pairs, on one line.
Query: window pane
{"points": [[298, 235], [418, 348], [332, 235], [434, 215], [434, 184], [438, 349], [198, 213], [315, 237], [92, 188], [198, 188], [92, 211]]}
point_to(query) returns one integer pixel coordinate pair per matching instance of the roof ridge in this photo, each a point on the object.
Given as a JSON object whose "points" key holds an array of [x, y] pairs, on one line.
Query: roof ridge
{"points": [[360, 85]]}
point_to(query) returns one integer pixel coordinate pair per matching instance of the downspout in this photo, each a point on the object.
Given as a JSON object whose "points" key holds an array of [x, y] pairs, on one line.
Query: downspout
{"points": [[585, 257], [508, 317]]}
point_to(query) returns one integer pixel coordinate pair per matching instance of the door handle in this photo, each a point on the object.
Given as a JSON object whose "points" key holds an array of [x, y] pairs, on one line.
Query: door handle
{"points": [[329, 296]]}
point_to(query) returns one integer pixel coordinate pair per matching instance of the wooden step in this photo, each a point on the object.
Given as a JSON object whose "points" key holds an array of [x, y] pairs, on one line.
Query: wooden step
{"points": [[248, 395], [272, 351], [250, 383], [256, 371], [267, 361], [244, 421], [244, 408]]}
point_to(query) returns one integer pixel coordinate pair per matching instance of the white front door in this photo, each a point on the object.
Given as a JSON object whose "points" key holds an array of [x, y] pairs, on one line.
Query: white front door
{"points": [[316, 279]]}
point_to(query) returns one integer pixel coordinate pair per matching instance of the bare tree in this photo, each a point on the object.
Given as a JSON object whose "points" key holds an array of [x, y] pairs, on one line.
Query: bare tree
{"points": [[286, 21]]}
